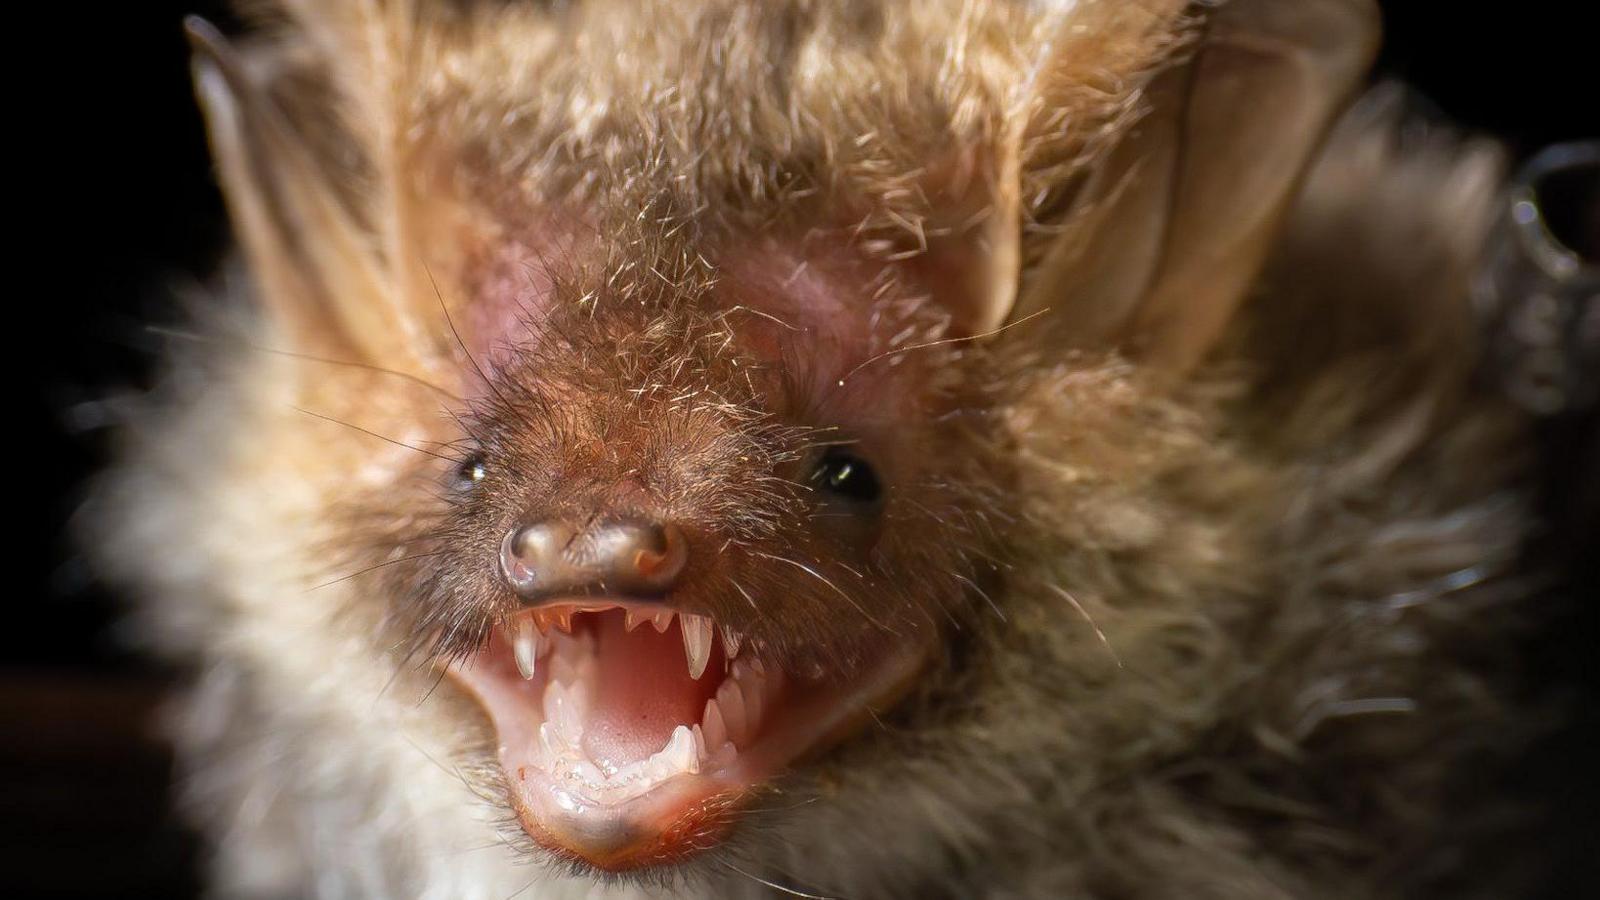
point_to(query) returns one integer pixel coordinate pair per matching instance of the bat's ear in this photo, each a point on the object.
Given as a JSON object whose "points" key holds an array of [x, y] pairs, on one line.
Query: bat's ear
{"points": [[1150, 246], [322, 254]]}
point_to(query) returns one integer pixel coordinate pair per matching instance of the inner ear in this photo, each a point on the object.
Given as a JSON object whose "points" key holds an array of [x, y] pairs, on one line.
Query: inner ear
{"points": [[1173, 222], [972, 243]]}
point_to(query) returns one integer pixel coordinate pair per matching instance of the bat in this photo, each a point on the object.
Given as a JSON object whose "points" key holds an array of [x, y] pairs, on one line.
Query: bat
{"points": [[860, 449]]}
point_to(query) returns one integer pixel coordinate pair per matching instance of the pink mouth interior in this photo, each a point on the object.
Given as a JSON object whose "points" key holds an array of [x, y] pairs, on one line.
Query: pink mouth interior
{"points": [[636, 706], [615, 754]]}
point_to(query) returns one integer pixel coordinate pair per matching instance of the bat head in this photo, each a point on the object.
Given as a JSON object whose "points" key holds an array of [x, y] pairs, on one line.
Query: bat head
{"points": [[722, 381]]}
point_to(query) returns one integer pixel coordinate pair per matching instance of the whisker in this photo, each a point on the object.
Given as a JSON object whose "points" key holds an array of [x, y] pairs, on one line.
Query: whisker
{"points": [[939, 343], [1085, 613], [746, 595], [367, 431], [981, 593], [202, 339], [773, 884], [373, 568], [820, 577], [457, 335], [448, 770]]}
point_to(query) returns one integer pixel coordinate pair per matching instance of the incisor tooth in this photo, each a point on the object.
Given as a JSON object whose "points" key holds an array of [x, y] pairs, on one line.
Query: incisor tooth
{"points": [[541, 619], [526, 647], [697, 643], [662, 621]]}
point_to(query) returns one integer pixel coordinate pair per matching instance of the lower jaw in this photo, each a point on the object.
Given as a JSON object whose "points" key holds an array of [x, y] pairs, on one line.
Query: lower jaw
{"points": [[618, 839], [689, 812]]}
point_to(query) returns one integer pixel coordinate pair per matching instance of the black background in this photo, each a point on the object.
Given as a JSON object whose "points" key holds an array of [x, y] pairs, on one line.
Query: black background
{"points": [[121, 208]]}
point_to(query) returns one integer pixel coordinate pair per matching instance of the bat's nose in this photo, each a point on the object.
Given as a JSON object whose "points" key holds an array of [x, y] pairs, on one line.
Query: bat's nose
{"points": [[541, 560]]}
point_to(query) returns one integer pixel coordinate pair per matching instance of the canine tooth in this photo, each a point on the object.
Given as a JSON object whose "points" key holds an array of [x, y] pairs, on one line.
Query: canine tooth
{"points": [[730, 701], [526, 647], [662, 620], [712, 726], [680, 752], [730, 641], [697, 643]]}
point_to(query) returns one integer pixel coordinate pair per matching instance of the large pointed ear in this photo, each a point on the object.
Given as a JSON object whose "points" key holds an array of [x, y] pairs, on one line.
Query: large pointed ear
{"points": [[1165, 231], [321, 241]]}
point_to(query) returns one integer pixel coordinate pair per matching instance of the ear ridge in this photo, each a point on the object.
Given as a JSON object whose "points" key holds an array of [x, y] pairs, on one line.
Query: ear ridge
{"points": [[1177, 219], [325, 277], [368, 47], [1089, 57]]}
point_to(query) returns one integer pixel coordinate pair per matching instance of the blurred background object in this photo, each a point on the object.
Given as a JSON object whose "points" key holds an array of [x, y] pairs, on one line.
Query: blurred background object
{"points": [[129, 221]]}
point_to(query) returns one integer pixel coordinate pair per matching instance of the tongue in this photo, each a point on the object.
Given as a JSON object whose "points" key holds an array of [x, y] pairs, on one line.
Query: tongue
{"points": [[642, 691]]}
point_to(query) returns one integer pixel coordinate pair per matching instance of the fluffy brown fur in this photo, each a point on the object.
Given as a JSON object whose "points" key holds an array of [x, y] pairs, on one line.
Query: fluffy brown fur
{"points": [[1215, 627]]}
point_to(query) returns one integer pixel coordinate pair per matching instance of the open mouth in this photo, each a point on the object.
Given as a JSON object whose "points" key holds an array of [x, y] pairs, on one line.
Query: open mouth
{"points": [[629, 732]]}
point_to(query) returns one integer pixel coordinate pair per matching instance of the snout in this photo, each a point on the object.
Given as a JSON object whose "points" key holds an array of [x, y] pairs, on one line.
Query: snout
{"points": [[619, 557]]}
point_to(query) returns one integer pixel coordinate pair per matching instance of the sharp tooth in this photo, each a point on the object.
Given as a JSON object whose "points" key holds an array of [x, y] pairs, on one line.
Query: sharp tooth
{"points": [[730, 702], [526, 647], [697, 643], [564, 620], [700, 753], [730, 641], [712, 726], [679, 750], [662, 621], [541, 618], [632, 620]]}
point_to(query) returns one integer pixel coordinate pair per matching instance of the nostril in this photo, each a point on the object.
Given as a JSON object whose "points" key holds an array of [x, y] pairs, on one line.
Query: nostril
{"points": [[531, 556], [543, 560], [639, 557], [660, 557]]}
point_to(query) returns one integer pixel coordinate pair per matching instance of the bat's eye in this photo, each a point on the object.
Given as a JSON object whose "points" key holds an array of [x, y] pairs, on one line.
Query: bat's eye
{"points": [[847, 476], [471, 471]]}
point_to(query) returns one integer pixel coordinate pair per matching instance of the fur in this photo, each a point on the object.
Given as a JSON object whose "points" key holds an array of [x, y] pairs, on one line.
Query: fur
{"points": [[1237, 635]]}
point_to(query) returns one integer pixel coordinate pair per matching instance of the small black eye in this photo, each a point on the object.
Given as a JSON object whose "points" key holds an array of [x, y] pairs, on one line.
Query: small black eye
{"points": [[844, 474], [471, 471]]}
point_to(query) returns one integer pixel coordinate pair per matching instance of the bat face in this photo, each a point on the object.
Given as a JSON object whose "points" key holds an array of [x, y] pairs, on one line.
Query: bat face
{"points": [[681, 542], [723, 445]]}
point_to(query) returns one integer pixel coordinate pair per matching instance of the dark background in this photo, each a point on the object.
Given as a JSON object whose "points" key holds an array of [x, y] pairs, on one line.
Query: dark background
{"points": [[111, 143]]}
